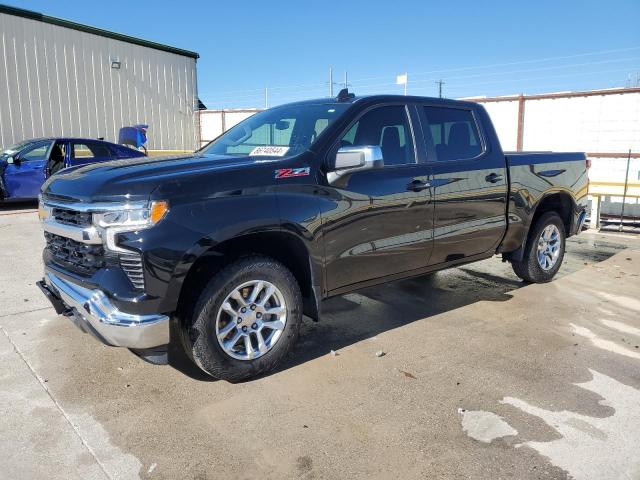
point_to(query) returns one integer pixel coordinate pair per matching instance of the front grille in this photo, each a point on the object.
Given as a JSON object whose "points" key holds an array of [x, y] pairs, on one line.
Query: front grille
{"points": [[132, 266], [78, 257], [71, 217]]}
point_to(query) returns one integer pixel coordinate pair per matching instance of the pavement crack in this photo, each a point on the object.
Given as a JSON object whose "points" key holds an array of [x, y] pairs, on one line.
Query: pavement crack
{"points": [[25, 311], [55, 402]]}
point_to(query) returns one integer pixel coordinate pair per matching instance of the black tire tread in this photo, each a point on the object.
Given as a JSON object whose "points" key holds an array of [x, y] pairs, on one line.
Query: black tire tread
{"points": [[527, 268], [210, 358]]}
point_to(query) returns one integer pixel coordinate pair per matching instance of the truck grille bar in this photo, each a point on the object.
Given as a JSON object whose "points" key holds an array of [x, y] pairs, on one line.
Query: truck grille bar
{"points": [[76, 256], [71, 217], [131, 264]]}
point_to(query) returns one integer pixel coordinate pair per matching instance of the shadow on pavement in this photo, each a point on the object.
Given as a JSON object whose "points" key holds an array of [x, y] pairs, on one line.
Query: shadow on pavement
{"points": [[364, 314], [12, 207], [361, 315]]}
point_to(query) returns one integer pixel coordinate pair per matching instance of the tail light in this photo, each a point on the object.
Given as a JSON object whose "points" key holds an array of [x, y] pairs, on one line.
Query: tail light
{"points": [[588, 163]]}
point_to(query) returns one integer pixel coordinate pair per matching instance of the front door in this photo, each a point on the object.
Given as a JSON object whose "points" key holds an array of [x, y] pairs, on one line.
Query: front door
{"points": [[24, 177], [469, 184], [381, 221]]}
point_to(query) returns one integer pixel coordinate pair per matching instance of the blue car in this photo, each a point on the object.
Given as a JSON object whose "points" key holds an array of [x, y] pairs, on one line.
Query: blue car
{"points": [[26, 165]]}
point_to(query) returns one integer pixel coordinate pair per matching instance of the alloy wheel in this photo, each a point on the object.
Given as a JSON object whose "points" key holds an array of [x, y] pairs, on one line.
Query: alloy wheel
{"points": [[251, 320], [549, 245]]}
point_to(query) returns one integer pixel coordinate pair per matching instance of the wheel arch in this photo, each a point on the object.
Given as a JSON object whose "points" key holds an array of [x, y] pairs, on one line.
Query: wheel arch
{"points": [[282, 246], [560, 202]]}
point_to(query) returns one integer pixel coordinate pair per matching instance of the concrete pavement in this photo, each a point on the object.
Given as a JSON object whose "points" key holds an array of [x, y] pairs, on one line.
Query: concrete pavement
{"points": [[481, 379]]}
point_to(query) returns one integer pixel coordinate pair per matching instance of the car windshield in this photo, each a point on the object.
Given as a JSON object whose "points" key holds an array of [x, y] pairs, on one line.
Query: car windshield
{"points": [[277, 132], [12, 149]]}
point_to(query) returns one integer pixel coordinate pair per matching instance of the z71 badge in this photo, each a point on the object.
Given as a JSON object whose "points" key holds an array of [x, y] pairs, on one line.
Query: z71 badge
{"points": [[292, 172]]}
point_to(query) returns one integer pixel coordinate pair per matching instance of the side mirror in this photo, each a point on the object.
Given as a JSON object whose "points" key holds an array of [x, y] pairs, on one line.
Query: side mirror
{"points": [[355, 159], [13, 160]]}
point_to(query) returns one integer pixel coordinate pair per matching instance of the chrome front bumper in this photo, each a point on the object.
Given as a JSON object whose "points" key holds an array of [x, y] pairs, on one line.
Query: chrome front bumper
{"points": [[94, 313]]}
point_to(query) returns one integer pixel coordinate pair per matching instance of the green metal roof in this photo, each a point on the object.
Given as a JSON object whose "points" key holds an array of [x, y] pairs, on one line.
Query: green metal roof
{"points": [[19, 12]]}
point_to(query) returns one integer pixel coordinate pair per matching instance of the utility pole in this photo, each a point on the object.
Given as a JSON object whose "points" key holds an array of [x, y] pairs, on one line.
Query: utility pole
{"points": [[406, 81], [266, 97], [330, 82], [346, 83], [440, 83]]}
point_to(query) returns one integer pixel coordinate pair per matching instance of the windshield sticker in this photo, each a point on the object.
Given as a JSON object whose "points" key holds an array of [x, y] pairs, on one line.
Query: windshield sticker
{"points": [[270, 150], [292, 172]]}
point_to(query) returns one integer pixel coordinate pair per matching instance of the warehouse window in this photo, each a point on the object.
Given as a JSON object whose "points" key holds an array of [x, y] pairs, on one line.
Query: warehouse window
{"points": [[454, 133]]}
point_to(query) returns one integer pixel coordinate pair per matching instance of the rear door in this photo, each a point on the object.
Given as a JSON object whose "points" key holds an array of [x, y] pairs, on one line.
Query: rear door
{"points": [[26, 175], [469, 183], [381, 223]]}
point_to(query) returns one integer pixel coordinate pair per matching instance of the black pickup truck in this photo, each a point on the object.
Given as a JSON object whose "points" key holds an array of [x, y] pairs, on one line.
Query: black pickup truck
{"points": [[296, 204]]}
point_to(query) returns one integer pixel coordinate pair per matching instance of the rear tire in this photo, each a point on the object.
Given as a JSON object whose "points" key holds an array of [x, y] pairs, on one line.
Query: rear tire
{"points": [[255, 300], [544, 250]]}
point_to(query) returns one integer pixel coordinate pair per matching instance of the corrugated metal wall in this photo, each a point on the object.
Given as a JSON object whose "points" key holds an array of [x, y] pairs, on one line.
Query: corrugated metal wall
{"points": [[55, 81]]}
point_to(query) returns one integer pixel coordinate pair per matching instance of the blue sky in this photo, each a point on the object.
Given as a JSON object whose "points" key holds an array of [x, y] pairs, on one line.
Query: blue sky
{"points": [[475, 47]]}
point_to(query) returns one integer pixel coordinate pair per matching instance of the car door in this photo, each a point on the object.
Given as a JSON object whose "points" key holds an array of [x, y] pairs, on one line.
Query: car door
{"points": [[469, 183], [24, 177], [85, 152], [381, 221]]}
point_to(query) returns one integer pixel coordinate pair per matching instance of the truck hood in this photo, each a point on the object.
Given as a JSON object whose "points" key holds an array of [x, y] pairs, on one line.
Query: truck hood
{"points": [[135, 179]]}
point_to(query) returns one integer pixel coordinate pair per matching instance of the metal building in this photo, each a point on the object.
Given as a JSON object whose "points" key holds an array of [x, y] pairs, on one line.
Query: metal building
{"points": [[60, 78]]}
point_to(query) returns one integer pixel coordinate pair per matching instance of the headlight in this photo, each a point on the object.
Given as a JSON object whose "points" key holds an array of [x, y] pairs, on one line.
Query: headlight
{"points": [[112, 222], [137, 218]]}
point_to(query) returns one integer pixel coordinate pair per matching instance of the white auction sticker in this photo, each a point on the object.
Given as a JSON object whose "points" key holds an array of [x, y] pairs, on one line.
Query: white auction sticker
{"points": [[271, 150]]}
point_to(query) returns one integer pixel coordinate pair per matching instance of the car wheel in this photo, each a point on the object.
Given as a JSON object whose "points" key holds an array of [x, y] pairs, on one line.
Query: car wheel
{"points": [[246, 320], [544, 251]]}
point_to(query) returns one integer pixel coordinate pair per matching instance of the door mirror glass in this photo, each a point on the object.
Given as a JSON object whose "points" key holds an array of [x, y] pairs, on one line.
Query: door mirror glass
{"points": [[355, 159], [10, 160]]}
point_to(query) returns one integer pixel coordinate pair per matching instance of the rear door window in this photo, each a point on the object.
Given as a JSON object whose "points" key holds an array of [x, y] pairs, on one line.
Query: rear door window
{"points": [[454, 133], [90, 151]]}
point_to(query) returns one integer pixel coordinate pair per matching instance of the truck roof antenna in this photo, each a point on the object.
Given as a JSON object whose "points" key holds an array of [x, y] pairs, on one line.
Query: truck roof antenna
{"points": [[344, 95]]}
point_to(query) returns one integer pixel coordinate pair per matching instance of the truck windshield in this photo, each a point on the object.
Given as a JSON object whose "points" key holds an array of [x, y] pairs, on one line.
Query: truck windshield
{"points": [[277, 132]]}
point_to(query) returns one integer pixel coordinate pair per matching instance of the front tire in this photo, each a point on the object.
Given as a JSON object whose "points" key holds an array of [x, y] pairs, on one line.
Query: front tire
{"points": [[544, 250], [246, 320]]}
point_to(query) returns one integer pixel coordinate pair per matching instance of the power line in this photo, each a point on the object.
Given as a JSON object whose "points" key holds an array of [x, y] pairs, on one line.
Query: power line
{"points": [[476, 67], [285, 97], [546, 77], [319, 89], [521, 62], [509, 72]]}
